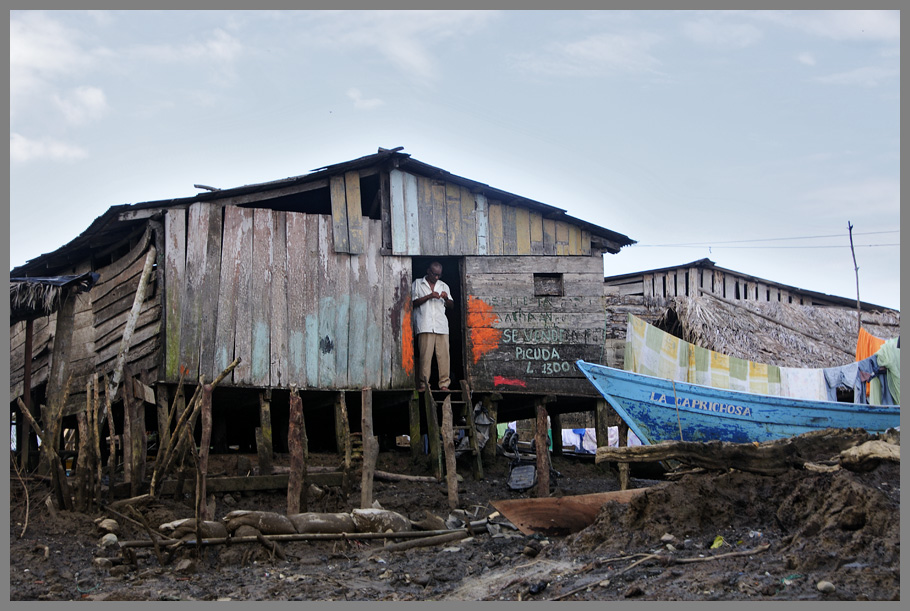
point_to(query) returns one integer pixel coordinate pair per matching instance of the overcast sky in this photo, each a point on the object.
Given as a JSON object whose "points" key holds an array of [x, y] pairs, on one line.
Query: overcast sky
{"points": [[748, 138]]}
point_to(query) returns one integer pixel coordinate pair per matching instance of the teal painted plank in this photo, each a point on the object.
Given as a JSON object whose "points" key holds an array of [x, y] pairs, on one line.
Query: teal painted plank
{"points": [[260, 357], [399, 226], [327, 315], [297, 289], [278, 330], [310, 310], [342, 274]]}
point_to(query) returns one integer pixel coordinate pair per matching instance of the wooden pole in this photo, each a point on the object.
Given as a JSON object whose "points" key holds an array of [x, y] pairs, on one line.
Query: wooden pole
{"points": [[96, 408], [295, 447], [448, 437], [859, 310], [416, 442], [24, 442], [489, 450], [264, 433], [162, 401], [82, 482], [344, 424], [433, 434], [370, 449], [556, 431], [543, 453], [114, 382], [623, 466], [205, 415], [112, 432]]}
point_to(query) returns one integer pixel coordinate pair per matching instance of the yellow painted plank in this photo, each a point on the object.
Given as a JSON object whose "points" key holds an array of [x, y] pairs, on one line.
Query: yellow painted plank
{"points": [[453, 217], [562, 238], [536, 221], [339, 214], [494, 235], [522, 231]]}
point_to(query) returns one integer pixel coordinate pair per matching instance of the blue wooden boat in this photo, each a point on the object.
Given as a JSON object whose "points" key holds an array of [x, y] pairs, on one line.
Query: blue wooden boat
{"points": [[658, 409]]}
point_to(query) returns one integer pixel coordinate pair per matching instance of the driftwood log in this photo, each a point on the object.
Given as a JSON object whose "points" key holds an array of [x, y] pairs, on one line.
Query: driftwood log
{"points": [[768, 458]]}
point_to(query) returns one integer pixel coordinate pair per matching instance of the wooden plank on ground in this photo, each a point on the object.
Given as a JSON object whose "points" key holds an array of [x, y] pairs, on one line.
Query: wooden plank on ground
{"points": [[175, 267], [559, 516]]}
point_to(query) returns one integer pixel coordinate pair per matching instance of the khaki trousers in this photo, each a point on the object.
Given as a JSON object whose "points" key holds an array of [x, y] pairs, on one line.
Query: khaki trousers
{"points": [[429, 344]]}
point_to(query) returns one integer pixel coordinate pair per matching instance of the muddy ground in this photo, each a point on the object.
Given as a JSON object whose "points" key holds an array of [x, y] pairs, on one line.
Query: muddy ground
{"points": [[778, 538]]}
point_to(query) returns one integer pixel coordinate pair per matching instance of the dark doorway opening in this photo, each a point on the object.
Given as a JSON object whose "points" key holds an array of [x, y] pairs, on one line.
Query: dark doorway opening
{"points": [[452, 274]]}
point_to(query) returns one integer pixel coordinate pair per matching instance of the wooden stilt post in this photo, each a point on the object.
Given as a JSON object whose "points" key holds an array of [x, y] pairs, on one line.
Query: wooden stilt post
{"points": [[96, 434], [623, 466], [295, 447], [24, 442], [489, 450], [162, 401], [556, 432], [343, 427], [543, 454], [370, 449], [264, 444], [448, 436], [205, 417], [81, 469], [414, 429], [602, 414], [433, 435], [129, 465]]}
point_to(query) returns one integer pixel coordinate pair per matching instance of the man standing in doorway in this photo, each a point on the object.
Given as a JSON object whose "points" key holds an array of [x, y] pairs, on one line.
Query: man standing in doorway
{"points": [[431, 298]]}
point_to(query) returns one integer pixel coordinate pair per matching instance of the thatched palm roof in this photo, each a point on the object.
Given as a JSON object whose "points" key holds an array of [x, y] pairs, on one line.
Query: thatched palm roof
{"points": [[772, 332], [33, 297]]}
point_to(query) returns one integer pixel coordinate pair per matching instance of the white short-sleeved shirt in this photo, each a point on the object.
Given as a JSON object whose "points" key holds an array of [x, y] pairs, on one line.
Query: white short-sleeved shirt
{"points": [[431, 316]]}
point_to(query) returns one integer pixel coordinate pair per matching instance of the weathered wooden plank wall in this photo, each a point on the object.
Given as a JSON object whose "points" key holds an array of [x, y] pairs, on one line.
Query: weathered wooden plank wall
{"points": [[692, 281], [522, 342], [293, 308], [432, 217], [42, 339]]}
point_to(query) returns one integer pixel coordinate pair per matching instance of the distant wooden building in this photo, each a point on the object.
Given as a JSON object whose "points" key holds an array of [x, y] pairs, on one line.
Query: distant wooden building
{"points": [[307, 280]]}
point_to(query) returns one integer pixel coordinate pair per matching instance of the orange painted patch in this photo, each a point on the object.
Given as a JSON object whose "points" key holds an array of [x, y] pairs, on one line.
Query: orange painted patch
{"points": [[407, 343], [484, 337]]}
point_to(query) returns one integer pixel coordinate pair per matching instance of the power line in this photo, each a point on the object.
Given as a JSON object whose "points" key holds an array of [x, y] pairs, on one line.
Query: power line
{"points": [[713, 245], [811, 237]]}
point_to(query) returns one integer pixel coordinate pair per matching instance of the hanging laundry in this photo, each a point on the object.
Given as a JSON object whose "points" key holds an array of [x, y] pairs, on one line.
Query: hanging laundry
{"points": [[889, 357]]}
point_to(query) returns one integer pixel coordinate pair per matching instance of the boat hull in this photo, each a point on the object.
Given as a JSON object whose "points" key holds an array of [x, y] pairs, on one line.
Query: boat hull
{"points": [[659, 410]]}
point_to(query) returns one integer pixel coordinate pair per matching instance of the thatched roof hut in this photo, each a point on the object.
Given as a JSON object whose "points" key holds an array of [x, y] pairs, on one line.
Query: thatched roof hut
{"points": [[774, 332]]}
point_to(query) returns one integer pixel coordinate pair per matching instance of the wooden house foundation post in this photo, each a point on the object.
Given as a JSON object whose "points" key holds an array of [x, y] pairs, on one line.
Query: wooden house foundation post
{"points": [[297, 442], [489, 450], [556, 432], [414, 422], [543, 453], [602, 416], [433, 434], [343, 440], [370, 449], [264, 433]]}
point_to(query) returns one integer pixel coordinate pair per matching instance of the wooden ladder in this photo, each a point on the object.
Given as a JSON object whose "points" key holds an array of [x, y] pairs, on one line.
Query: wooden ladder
{"points": [[462, 411]]}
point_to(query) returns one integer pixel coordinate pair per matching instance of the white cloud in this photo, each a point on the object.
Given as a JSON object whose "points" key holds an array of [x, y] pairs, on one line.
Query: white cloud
{"points": [[82, 105], [806, 58], [220, 49], [598, 54], [868, 76], [22, 149], [721, 33], [360, 102], [404, 38], [876, 199], [881, 26]]}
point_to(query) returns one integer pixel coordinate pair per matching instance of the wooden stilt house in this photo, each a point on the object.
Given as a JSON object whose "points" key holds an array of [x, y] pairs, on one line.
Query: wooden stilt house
{"points": [[307, 280]]}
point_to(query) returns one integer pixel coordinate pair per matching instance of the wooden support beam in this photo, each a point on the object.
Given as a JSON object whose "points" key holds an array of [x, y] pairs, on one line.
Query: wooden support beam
{"points": [[370, 449], [543, 453], [448, 437], [602, 416], [296, 441], [343, 428], [264, 445], [556, 433], [24, 440], [162, 400], [205, 417], [433, 434], [414, 423]]}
